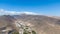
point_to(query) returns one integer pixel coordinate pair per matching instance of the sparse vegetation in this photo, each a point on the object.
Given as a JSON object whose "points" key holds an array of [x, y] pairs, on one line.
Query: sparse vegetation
{"points": [[26, 31], [15, 32], [33, 32]]}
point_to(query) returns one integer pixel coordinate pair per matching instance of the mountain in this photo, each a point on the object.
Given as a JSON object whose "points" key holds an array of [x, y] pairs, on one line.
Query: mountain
{"points": [[6, 22], [40, 23]]}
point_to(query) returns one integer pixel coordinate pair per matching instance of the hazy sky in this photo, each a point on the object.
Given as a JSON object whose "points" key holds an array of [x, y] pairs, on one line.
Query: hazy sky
{"points": [[46, 7]]}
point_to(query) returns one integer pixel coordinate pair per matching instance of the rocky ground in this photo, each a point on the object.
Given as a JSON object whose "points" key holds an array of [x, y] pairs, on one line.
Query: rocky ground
{"points": [[40, 23]]}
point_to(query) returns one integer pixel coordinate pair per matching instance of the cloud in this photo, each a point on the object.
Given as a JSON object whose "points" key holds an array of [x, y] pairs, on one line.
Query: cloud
{"points": [[29, 13], [4, 12]]}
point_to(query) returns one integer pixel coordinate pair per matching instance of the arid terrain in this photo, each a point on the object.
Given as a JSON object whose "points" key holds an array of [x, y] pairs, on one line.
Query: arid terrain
{"points": [[40, 23]]}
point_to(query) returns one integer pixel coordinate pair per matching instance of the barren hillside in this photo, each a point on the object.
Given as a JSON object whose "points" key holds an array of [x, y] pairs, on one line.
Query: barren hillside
{"points": [[40, 23]]}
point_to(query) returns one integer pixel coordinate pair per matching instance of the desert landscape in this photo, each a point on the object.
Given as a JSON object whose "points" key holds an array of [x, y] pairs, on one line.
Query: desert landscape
{"points": [[29, 16], [39, 23]]}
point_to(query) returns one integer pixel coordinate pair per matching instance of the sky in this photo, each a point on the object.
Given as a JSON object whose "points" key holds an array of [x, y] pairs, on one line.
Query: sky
{"points": [[45, 7]]}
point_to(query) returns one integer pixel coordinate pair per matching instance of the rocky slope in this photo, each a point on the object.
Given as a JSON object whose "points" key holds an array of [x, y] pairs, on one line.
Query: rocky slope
{"points": [[40, 23], [6, 22]]}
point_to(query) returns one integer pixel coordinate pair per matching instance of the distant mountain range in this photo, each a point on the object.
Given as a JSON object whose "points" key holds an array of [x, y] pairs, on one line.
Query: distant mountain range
{"points": [[40, 23]]}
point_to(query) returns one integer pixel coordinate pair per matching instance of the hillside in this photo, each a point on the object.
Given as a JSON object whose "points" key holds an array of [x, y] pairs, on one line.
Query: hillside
{"points": [[40, 23], [6, 22]]}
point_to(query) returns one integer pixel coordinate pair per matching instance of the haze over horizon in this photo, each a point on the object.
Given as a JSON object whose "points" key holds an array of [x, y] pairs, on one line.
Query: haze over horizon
{"points": [[44, 7]]}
